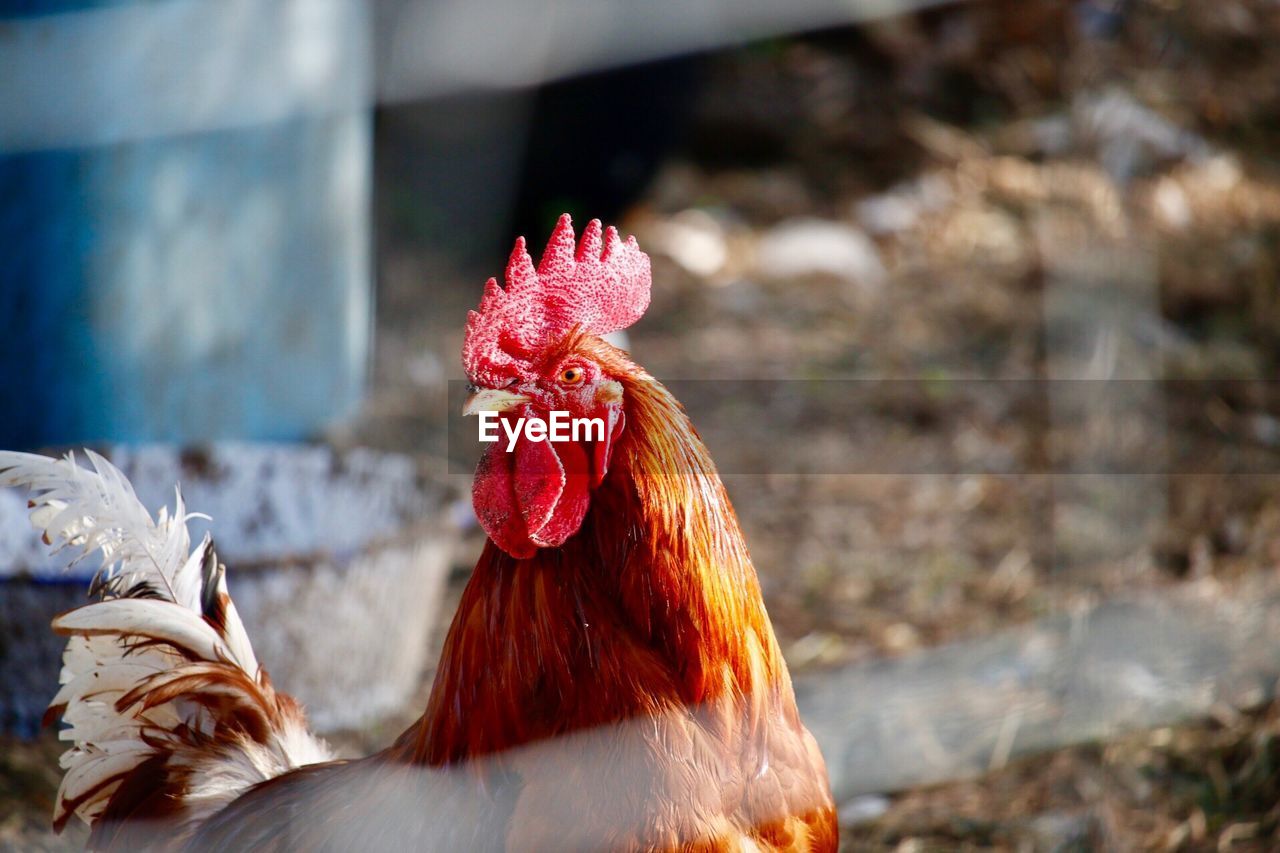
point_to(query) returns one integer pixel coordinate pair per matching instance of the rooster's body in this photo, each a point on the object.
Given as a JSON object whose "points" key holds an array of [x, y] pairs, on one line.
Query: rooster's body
{"points": [[610, 681]]}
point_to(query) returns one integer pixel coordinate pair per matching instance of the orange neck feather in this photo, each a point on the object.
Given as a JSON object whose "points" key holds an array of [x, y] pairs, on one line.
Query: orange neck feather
{"points": [[652, 605]]}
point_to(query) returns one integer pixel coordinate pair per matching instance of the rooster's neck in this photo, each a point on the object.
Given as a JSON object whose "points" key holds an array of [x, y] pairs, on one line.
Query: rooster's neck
{"points": [[652, 604], [687, 582]]}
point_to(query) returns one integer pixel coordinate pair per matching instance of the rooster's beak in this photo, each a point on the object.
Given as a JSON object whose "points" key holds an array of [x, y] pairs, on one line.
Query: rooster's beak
{"points": [[492, 400]]}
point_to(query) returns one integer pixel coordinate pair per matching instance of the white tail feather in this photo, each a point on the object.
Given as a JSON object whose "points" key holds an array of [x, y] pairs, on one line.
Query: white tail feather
{"points": [[161, 665], [96, 510]]}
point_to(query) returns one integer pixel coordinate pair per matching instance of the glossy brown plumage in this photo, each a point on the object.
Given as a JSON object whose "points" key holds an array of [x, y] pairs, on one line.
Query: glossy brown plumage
{"points": [[622, 691], [652, 610]]}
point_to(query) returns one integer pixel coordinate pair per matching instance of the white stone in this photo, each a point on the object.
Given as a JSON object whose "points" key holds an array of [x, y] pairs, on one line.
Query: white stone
{"points": [[863, 809], [804, 247], [694, 240]]}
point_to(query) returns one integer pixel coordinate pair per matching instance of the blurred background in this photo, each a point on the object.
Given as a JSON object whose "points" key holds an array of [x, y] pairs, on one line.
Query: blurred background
{"points": [[976, 305]]}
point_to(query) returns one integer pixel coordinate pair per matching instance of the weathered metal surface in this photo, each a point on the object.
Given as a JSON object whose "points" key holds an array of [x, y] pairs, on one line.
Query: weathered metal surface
{"points": [[207, 280]]}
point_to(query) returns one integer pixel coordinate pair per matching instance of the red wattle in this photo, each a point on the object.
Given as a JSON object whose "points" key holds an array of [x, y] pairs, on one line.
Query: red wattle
{"points": [[573, 500], [539, 481], [493, 496], [535, 496]]}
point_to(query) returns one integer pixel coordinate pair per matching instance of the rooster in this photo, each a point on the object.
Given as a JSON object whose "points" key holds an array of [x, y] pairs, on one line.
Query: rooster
{"points": [[610, 680]]}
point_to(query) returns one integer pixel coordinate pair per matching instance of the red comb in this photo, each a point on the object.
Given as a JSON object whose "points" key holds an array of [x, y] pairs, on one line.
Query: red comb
{"points": [[600, 286]]}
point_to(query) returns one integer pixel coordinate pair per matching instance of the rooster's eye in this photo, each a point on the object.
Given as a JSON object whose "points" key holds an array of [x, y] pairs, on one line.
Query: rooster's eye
{"points": [[571, 376]]}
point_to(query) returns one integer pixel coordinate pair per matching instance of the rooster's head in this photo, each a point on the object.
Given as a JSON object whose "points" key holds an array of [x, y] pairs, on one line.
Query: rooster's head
{"points": [[528, 353]]}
